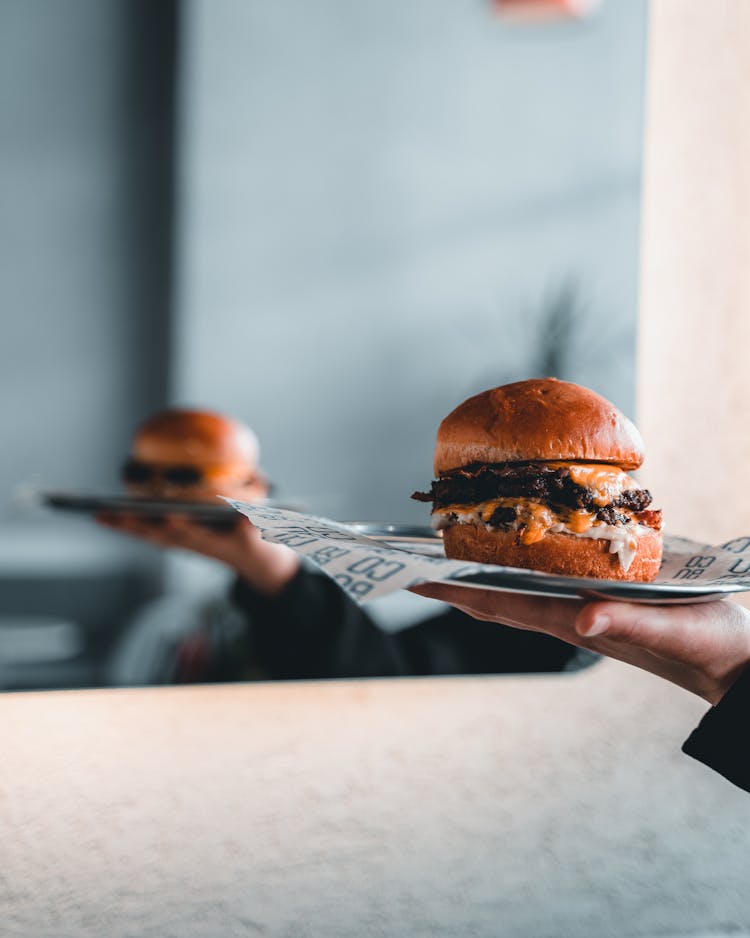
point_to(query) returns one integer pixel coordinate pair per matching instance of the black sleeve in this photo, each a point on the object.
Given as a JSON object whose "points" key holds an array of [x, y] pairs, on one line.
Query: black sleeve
{"points": [[720, 741], [313, 630]]}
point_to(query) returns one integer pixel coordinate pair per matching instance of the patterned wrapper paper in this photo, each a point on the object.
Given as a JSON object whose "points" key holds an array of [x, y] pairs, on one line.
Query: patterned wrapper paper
{"points": [[366, 569]]}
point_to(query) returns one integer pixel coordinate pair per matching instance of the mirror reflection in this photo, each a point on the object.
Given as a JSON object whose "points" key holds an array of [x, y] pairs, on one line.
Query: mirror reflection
{"points": [[261, 250]]}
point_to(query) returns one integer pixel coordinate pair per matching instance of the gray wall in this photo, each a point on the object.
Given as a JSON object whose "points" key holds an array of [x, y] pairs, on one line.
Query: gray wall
{"points": [[86, 89], [378, 201], [85, 205]]}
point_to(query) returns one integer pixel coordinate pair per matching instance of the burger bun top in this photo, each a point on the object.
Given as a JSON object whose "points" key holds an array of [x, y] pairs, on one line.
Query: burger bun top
{"points": [[196, 438], [539, 420]]}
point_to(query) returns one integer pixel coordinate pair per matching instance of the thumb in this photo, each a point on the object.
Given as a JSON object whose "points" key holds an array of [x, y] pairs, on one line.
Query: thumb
{"points": [[702, 647], [674, 631], [625, 622]]}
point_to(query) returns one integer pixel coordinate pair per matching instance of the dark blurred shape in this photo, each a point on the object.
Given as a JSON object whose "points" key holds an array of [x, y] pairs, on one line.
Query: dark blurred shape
{"points": [[137, 473], [87, 92], [562, 318], [150, 104]]}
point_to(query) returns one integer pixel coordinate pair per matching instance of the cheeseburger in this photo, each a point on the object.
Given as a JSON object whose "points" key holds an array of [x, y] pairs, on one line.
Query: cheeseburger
{"points": [[193, 455], [535, 474]]}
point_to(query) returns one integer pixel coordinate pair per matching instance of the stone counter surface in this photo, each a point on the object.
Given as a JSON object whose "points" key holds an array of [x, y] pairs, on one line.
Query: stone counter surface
{"points": [[514, 806]]}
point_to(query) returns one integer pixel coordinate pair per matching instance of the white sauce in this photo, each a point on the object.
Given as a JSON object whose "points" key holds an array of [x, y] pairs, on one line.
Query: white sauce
{"points": [[623, 538], [440, 520]]}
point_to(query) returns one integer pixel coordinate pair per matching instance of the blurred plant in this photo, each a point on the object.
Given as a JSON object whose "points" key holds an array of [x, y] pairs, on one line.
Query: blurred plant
{"points": [[563, 335], [563, 316]]}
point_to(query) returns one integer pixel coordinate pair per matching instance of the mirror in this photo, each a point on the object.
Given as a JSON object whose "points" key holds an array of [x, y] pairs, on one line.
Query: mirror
{"points": [[333, 222]]}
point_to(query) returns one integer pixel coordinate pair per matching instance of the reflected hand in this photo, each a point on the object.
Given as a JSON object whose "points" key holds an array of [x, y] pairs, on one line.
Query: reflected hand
{"points": [[702, 647], [266, 567]]}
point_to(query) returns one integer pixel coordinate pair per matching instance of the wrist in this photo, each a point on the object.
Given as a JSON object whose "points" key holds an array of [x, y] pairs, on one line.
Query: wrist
{"points": [[719, 688], [272, 571], [727, 670]]}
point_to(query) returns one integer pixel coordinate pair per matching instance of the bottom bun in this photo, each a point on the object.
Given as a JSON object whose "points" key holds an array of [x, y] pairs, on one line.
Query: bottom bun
{"points": [[555, 553]]}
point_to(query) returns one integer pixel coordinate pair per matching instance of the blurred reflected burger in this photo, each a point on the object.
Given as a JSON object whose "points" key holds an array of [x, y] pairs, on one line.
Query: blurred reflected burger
{"points": [[194, 455], [535, 474]]}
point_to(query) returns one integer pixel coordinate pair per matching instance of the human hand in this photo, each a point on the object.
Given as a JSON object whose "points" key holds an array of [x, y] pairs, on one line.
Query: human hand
{"points": [[268, 568], [702, 647]]}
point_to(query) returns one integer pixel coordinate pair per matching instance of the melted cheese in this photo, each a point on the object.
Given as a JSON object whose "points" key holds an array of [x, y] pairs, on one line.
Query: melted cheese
{"points": [[534, 520], [534, 515], [579, 520], [608, 482]]}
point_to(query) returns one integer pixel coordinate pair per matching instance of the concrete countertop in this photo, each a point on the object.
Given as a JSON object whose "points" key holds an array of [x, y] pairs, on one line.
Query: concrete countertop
{"points": [[515, 806]]}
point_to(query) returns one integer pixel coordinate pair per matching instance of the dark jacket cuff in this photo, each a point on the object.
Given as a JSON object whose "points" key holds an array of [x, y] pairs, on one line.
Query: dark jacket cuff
{"points": [[721, 739]]}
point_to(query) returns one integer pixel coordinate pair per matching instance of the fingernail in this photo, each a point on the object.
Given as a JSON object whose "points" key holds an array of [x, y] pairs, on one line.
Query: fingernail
{"points": [[600, 624]]}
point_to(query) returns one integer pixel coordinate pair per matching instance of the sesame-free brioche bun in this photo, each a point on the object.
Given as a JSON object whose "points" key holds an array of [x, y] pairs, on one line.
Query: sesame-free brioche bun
{"points": [[540, 420], [554, 553], [223, 452], [498, 501], [196, 438]]}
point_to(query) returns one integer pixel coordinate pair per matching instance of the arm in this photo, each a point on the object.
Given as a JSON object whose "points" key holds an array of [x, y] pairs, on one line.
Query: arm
{"points": [[268, 568], [720, 740], [304, 625]]}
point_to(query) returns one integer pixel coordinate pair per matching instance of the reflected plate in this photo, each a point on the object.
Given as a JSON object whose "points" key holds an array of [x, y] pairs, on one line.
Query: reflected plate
{"points": [[140, 505], [422, 539]]}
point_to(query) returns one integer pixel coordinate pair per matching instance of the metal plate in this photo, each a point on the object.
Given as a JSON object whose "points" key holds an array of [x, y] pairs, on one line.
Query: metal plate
{"points": [[398, 534], [534, 582]]}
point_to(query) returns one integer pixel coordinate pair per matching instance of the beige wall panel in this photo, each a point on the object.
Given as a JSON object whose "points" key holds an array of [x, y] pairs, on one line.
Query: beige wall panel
{"points": [[694, 380]]}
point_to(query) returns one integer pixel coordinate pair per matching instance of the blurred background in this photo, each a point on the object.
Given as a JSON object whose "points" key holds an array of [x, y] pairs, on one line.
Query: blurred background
{"points": [[334, 221]]}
